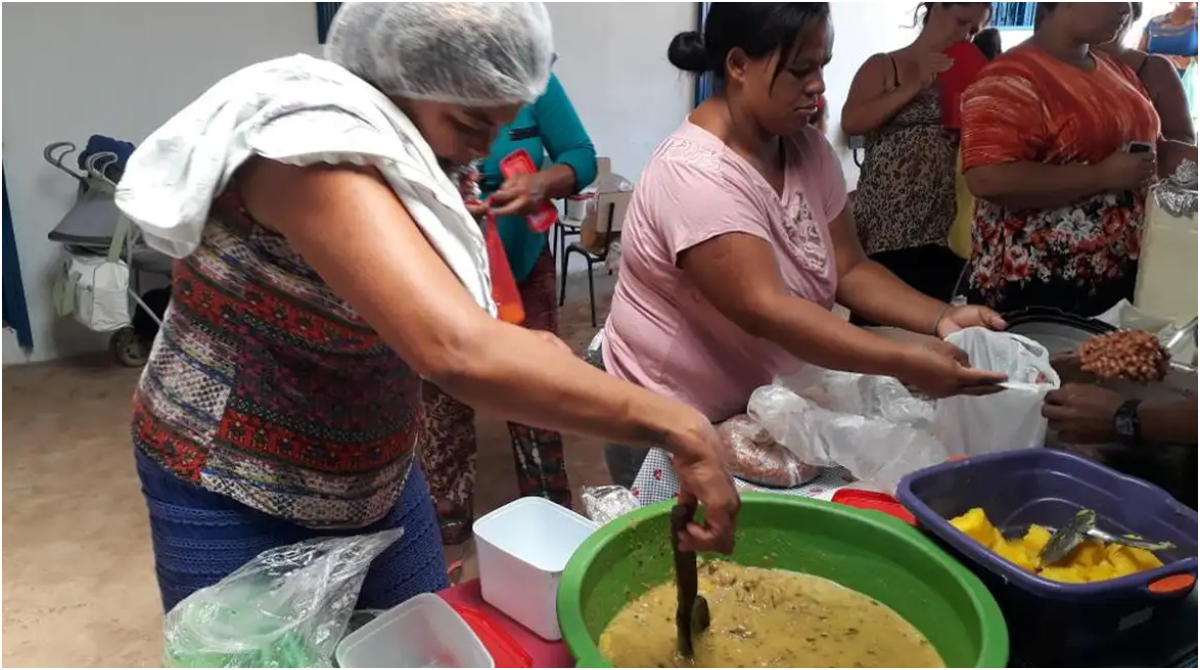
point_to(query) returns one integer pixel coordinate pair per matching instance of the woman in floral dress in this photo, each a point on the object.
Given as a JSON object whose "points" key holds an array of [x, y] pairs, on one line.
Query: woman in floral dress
{"points": [[1045, 145]]}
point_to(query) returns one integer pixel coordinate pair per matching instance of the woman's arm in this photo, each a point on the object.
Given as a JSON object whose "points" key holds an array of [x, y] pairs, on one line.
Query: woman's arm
{"points": [[567, 142], [869, 104], [350, 227], [568, 146], [1034, 185], [1170, 100], [737, 273], [870, 290]]}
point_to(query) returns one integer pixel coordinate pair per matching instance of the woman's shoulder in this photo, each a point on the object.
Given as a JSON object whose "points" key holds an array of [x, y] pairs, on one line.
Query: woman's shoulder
{"points": [[1023, 60], [693, 152]]}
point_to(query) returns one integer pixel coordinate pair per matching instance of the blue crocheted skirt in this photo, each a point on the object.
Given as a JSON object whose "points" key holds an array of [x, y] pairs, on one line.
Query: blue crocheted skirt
{"points": [[200, 537]]}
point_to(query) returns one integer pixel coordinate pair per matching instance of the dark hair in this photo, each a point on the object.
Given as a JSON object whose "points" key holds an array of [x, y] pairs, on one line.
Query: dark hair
{"points": [[1135, 12], [758, 28], [988, 41]]}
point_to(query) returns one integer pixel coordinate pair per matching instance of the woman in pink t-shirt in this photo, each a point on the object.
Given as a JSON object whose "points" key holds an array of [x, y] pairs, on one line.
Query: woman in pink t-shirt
{"points": [[738, 241]]}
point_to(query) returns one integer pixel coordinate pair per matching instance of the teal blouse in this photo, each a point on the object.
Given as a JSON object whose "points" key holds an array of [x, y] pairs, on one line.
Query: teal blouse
{"points": [[550, 127]]}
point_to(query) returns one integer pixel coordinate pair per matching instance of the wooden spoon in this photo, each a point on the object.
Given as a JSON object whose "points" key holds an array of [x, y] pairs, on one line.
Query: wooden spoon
{"points": [[691, 614]]}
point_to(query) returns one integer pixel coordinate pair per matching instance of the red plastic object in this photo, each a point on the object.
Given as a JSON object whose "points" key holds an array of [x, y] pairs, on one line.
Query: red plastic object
{"points": [[968, 62], [504, 285], [544, 654], [504, 650], [880, 502], [520, 162]]}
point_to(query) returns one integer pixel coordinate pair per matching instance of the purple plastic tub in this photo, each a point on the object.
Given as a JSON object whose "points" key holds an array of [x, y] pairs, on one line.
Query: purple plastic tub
{"points": [[1049, 620]]}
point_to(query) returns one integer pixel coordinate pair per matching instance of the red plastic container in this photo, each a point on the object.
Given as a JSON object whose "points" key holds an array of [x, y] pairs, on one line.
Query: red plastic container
{"points": [[520, 162], [504, 285], [880, 502], [504, 650], [968, 62]]}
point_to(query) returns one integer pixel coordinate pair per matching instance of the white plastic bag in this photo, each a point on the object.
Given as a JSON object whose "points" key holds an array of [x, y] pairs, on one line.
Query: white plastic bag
{"points": [[286, 608], [872, 426], [95, 291], [1011, 419], [878, 430]]}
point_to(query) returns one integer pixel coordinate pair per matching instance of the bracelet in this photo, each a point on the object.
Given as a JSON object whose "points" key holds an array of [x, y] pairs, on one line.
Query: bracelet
{"points": [[957, 301]]}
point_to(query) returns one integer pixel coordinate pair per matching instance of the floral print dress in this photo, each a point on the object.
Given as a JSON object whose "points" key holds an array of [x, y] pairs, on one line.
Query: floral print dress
{"points": [[1029, 106]]}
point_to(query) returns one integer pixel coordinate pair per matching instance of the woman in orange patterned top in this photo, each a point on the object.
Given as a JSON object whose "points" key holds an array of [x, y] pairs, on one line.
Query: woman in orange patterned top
{"points": [[1045, 142]]}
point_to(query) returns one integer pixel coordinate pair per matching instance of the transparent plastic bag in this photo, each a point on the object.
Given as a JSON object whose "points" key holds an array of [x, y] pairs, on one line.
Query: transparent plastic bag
{"points": [[605, 503], [759, 459], [872, 426], [287, 608], [878, 430]]}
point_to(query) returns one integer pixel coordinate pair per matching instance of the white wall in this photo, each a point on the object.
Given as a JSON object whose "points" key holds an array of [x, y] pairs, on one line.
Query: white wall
{"points": [[614, 66], [117, 69]]}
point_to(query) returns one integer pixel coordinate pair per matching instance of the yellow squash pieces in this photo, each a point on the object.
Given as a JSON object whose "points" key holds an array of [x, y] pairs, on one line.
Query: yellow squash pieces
{"points": [[1091, 561]]}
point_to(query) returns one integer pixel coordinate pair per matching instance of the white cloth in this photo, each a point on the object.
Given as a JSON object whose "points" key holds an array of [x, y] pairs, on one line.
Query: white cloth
{"points": [[298, 110]]}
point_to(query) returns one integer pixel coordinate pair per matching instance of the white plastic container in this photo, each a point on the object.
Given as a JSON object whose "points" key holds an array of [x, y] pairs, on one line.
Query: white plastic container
{"points": [[523, 549], [422, 632]]}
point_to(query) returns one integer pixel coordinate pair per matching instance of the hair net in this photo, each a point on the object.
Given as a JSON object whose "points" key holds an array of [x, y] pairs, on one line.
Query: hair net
{"points": [[473, 53]]}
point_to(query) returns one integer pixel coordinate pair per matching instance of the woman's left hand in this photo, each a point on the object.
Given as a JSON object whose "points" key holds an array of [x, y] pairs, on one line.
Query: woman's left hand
{"points": [[1082, 413], [520, 194], [959, 317]]}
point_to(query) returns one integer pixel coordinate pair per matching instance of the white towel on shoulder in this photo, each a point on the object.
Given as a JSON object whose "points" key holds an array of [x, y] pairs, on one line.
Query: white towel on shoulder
{"points": [[298, 110]]}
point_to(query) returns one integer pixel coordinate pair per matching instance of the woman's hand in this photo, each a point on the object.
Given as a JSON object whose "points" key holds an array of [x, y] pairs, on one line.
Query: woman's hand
{"points": [[1082, 413], [940, 370], [702, 465], [1125, 171], [957, 318], [520, 194], [930, 65]]}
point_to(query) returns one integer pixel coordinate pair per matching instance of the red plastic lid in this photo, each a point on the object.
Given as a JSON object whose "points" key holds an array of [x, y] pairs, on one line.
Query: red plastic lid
{"points": [[880, 502], [520, 162], [504, 650]]}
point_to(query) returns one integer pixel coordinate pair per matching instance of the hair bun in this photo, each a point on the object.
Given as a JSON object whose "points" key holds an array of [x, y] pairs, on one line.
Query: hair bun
{"points": [[687, 52]]}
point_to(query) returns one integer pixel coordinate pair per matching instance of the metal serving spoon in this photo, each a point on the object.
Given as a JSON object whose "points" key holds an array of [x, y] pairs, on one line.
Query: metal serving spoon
{"points": [[1083, 526]]}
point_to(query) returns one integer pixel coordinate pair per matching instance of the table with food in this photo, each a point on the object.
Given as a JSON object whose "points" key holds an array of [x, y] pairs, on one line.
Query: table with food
{"points": [[973, 553]]}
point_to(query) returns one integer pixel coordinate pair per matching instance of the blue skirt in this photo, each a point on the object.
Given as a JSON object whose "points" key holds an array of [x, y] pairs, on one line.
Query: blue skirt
{"points": [[201, 537]]}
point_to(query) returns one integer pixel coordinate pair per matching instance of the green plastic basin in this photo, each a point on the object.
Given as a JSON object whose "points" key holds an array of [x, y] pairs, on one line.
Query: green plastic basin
{"points": [[867, 551]]}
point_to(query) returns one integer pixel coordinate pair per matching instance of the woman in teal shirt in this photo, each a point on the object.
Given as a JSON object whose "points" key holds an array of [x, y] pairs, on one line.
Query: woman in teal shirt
{"points": [[548, 128]]}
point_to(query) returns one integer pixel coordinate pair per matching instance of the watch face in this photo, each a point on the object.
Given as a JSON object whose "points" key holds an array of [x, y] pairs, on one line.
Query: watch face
{"points": [[1124, 425]]}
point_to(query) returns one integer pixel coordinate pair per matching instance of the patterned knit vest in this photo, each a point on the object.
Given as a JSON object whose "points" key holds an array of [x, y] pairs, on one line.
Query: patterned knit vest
{"points": [[265, 386]]}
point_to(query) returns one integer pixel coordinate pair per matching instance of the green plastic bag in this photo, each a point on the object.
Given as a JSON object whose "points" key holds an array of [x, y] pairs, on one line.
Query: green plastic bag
{"points": [[287, 608]]}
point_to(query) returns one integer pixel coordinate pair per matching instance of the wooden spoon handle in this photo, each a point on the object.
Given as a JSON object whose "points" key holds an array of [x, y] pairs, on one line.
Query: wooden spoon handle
{"points": [[686, 578]]}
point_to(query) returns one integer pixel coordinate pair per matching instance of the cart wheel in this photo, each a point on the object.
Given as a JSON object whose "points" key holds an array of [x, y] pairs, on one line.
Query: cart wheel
{"points": [[128, 349]]}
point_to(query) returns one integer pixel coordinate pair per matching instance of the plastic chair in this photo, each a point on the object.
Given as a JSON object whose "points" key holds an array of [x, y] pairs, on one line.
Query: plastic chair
{"points": [[564, 228], [608, 208]]}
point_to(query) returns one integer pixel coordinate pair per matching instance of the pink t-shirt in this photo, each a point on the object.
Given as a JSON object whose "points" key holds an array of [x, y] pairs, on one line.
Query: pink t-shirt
{"points": [[662, 333]]}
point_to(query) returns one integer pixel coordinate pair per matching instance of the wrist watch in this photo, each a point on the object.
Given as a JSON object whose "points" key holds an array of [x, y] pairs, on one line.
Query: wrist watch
{"points": [[1126, 423]]}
